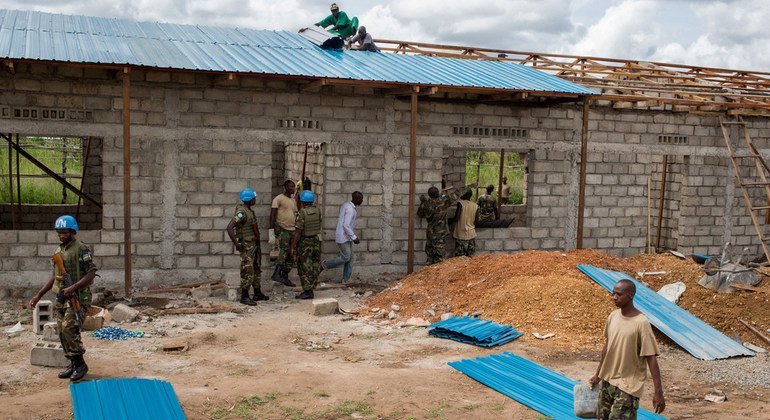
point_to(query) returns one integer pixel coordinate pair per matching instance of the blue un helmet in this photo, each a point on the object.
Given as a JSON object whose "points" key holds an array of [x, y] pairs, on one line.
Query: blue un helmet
{"points": [[66, 222], [307, 196], [247, 194]]}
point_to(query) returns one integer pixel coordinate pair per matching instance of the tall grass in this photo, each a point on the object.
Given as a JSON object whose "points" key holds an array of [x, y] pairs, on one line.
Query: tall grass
{"points": [[41, 190], [484, 168]]}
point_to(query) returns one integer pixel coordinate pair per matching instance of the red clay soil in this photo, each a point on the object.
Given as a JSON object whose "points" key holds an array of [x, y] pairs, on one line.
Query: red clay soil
{"points": [[544, 292]]}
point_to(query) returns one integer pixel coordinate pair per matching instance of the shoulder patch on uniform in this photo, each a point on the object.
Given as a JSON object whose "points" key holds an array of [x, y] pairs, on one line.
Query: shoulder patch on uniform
{"points": [[241, 216], [86, 254]]}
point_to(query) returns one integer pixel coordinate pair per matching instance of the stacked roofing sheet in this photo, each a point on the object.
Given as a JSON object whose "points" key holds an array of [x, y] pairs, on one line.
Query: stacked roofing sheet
{"points": [[125, 399], [82, 39], [700, 339], [535, 386], [474, 331]]}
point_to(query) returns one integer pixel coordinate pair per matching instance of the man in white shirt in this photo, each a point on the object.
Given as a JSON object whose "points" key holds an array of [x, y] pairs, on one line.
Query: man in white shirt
{"points": [[345, 236]]}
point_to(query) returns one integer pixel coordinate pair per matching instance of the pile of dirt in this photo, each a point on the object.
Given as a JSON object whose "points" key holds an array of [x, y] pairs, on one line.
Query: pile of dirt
{"points": [[544, 292]]}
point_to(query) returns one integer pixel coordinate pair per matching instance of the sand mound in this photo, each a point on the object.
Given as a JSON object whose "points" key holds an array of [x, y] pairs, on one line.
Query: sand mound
{"points": [[539, 291]]}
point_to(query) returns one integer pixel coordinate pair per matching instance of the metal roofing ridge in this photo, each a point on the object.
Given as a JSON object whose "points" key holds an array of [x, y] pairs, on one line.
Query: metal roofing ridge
{"points": [[705, 342]]}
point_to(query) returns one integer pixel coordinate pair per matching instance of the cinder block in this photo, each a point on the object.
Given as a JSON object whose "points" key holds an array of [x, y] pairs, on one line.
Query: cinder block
{"points": [[42, 314], [50, 332], [124, 313], [328, 306], [46, 353]]}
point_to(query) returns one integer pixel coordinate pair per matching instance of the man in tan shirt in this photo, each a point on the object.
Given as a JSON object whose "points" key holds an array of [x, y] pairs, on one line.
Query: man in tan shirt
{"points": [[282, 214], [465, 219], [630, 348], [505, 192]]}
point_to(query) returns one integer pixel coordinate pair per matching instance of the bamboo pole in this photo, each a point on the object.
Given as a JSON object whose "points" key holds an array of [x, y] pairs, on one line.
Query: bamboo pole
{"points": [[412, 179], [582, 181], [18, 178], [662, 200], [83, 178], [500, 183], [127, 179], [10, 181]]}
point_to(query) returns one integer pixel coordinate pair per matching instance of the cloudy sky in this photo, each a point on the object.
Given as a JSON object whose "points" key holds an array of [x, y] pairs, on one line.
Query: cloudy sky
{"points": [[727, 33]]}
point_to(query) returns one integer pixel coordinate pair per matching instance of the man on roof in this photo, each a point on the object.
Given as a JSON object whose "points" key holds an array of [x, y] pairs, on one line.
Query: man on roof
{"points": [[341, 25], [363, 41]]}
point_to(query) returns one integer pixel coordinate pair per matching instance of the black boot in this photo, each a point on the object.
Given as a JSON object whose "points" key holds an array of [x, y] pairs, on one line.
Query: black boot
{"points": [[307, 294], [245, 299], [66, 373], [258, 295], [80, 369], [278, 274]]}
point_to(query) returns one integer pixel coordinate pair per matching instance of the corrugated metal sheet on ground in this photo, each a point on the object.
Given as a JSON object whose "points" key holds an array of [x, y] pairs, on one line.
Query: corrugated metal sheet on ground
{"points": [[83, 39], [535, 386], [697, 337], [125, 399], [474, 331]]}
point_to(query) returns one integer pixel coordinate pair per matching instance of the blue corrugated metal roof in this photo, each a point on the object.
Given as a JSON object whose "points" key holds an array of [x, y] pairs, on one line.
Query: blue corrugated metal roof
{"points": [[697, 337], [125, 399], [474, 331], [535, 386], [83, 39]]}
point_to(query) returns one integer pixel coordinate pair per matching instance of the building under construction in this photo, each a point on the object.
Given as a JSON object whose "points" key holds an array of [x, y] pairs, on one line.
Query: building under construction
{"points": [[173, 120]]}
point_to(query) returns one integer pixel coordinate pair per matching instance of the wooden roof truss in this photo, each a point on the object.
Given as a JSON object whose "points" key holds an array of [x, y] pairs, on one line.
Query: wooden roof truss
{"points": [[630, 84]]}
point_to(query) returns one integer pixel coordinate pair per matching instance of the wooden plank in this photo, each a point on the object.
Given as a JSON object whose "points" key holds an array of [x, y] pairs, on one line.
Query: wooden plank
{"points": [[749, 288], [758, 333]]}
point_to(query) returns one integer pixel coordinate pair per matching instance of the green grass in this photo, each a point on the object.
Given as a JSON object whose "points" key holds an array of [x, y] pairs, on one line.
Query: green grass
{"points": [[243, 409], [40, 190], [348, 407], [488, 172]]}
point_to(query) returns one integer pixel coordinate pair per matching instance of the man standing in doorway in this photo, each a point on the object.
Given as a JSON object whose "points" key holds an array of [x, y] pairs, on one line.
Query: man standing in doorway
{"points": [[244, 232], [78, 263], [283, 211], [465, 220], [345, 236], [629, 349]]}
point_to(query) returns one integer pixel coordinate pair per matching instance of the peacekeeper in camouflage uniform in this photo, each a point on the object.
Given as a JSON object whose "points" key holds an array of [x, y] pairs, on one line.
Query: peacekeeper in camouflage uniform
{"points": [[487, 206], [244, 232], [306, 244], [78, 262], [434, 210]]}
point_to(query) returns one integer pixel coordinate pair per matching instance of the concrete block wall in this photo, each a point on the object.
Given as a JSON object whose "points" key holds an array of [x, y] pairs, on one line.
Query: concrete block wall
{"points": [[197, 140]]}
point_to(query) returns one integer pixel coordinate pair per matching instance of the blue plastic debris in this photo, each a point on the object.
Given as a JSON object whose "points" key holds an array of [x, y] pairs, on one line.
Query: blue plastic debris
{"points": [[535, 386], [125, 399], [474, 331], [697, 337], [116, 333], [700, 258]]}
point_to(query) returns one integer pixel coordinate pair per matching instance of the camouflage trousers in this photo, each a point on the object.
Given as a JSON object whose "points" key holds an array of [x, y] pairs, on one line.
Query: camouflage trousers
{"points": [[467, 248], [283, 237], [69, 331], [308, 261], [251, 266], [615, 404], [435, 248], [487, 217]]}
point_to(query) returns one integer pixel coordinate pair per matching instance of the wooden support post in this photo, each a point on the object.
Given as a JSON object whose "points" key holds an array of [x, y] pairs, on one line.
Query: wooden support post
{"points": [[500, 183], [412, 178], [83, 178], [127, 178], [662, 201], [582, 175], [18, 179], [10, 180]]}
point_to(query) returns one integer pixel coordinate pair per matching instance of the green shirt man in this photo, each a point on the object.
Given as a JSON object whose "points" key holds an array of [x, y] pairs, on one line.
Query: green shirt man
{"points": [[341, 24]]}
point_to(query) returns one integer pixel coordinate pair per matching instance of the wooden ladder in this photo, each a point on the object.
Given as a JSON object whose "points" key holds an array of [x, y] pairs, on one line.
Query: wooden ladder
{"points": [[763, 173]]}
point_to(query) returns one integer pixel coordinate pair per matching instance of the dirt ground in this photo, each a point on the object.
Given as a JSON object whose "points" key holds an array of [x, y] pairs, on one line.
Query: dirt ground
{"points": [[279, 362]]}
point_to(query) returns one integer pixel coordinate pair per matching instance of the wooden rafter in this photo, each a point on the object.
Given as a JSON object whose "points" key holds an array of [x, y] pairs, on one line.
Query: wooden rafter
{"points": [[630, 83]]}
